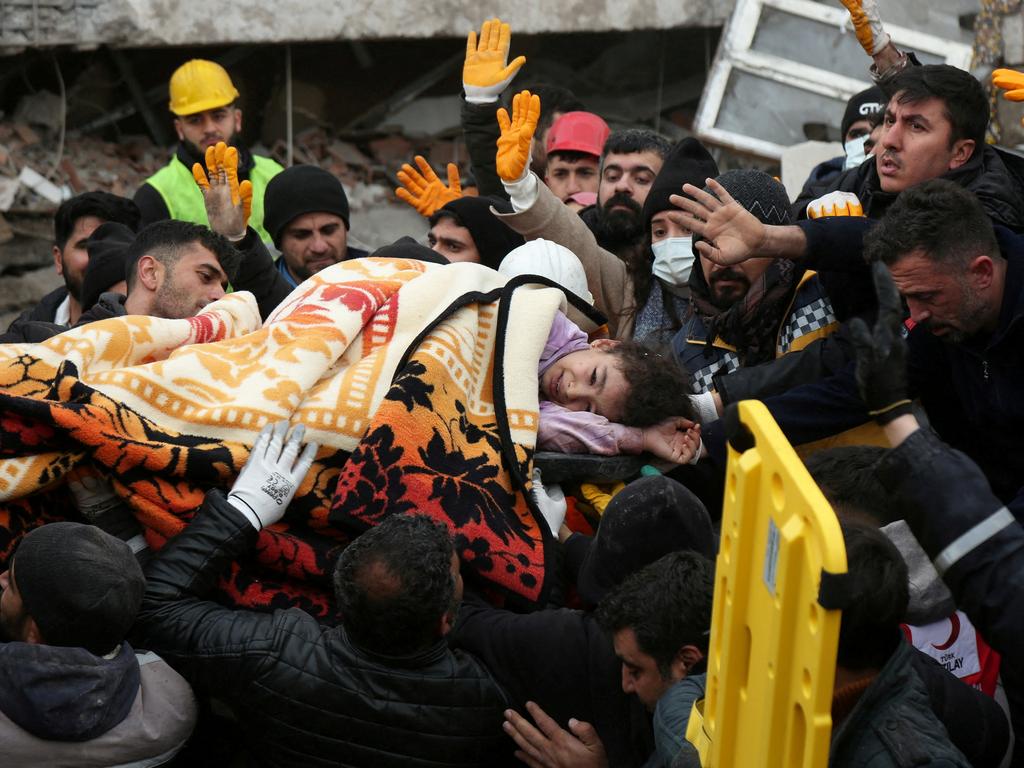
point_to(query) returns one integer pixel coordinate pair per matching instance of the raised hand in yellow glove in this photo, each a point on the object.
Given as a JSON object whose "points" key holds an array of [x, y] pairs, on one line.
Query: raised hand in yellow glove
{"points": [[835, 204], [485, 74], [867, 24], [513, 160], [228, 203], [423, 190], [1011, 81]]}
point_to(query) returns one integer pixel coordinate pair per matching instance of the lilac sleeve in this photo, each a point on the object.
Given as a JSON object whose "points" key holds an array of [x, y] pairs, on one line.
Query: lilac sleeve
{"points": [[568, 431]]}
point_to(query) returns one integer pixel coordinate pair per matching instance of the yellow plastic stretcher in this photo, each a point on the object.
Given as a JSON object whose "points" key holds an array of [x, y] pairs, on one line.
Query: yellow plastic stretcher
{"points": [[775, 626]]}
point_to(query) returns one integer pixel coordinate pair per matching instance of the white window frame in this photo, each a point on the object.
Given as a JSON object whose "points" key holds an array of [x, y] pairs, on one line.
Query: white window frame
{"points": [[734, 52]]}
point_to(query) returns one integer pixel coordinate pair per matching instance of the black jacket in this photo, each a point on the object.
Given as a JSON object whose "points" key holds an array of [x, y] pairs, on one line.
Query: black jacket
{"points": [[975, 543], [973, 392], [991, 174], [36, 324], [480, 130], [303, 693], [565, 662], [108, 305], [892, 725], [33, 331], [259, 275]]}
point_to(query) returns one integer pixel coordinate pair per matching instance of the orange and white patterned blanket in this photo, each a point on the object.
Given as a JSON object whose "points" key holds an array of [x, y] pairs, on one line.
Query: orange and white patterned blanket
{"points": [[418, 381]]}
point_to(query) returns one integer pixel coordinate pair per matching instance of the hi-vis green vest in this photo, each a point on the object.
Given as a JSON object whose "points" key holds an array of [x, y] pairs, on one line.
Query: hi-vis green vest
{"points": [[184, 200]]}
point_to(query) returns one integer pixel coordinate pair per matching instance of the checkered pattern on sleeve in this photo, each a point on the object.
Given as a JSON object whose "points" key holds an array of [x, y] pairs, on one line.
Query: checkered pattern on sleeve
{"points": [[701, 380], [807, 319]]}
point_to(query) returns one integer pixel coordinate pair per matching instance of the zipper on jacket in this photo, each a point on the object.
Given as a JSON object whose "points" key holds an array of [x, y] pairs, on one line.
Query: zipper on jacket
{"points": [[984, 368]]}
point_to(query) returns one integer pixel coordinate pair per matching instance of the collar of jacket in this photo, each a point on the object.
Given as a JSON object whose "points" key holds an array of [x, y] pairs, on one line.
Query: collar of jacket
{"points": [[416, 660]]}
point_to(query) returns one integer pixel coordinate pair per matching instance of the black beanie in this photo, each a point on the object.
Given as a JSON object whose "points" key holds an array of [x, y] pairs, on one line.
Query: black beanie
{"points": [[862, 106], [107, 247], [82, 586], [687, 163], [647, 519], [407, 248], [299, 190], [492, 237]]}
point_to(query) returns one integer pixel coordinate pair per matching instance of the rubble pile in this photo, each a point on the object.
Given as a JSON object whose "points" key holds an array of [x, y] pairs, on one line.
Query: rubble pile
{"points": [[39, 167]]}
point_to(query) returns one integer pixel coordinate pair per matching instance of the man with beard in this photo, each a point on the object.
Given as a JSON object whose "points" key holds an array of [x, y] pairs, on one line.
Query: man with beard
{"points": [[74, 223], [174, 269], [538, 213], [754, 311], [629, 164], [203, 100], [963, 282]]}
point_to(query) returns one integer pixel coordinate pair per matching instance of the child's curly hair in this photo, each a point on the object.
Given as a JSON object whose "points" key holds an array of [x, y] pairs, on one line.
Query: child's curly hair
{"points": [[659, 388]]}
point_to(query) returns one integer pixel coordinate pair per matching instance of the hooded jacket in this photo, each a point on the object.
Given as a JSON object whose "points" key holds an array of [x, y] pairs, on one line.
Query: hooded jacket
{"points": [[64, 706]]}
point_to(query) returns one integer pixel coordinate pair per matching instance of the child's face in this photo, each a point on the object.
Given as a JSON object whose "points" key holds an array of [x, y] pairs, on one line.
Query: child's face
{"points": [[588, 380]]}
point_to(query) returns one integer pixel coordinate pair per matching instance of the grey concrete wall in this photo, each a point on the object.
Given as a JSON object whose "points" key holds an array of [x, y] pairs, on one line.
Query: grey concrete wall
{"points": [[134, 23]]}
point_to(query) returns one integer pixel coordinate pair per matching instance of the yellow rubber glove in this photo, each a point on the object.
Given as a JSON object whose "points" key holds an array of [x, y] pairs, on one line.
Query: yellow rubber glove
{"points": [[1011, 81], [485, 74], [513, 160], [835, 204], [867, 24], [228, 203], [423, 190]]}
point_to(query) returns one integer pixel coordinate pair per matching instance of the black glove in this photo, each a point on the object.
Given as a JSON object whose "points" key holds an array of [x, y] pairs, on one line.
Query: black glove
{"points": [[882, 353]]}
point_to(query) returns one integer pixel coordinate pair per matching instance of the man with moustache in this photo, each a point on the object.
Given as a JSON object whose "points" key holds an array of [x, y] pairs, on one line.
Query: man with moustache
{"points": [[630, 162], [934, 127], [203, 100], [75, 221], [756, 310]]}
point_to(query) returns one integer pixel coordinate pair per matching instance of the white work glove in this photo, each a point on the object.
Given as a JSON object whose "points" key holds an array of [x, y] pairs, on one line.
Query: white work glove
{"points": [[550, 501], [267, 482], [867, 24], [835, 204]]}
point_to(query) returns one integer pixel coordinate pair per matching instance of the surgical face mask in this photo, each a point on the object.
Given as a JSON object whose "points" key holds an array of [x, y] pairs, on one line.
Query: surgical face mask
{"points": [[673, 259], [855, 154]]}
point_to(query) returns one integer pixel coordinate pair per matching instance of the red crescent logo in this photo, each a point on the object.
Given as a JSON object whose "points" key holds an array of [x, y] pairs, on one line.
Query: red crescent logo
{"points": [[954, 621]]}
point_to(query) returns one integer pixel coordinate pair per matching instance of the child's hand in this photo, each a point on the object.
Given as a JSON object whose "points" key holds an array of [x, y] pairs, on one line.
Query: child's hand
{"points": [[676, 440]]}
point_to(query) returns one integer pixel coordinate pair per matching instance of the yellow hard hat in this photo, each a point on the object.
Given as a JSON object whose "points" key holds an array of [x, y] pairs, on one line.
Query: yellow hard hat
{"points": [[199, 85]]}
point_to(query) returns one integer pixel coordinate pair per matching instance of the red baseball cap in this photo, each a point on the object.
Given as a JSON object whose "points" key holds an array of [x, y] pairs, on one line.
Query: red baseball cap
{"points": [[578, 132]]}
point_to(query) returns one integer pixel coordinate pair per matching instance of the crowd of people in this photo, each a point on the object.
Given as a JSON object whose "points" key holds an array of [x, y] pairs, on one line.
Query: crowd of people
{"points": [[879, 317]]}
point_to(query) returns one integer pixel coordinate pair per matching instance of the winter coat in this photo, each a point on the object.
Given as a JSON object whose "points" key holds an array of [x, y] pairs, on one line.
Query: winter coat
{"points": [[974, 541], [974, 395], [304, 693], [892, 725], [607, 276], [36, 323], [63, 707], [809, 317], [565, 662], [993, 175]]}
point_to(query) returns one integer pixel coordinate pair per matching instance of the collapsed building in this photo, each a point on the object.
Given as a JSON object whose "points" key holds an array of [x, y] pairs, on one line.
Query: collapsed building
{"points": [[359, 88]]}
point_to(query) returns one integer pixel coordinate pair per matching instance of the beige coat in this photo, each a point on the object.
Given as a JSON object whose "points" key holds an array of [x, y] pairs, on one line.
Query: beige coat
{"points": [[607, 276]]}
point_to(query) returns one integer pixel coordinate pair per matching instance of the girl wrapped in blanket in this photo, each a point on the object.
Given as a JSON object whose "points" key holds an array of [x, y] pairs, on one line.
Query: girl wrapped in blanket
{"points": [[610, 397]]}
